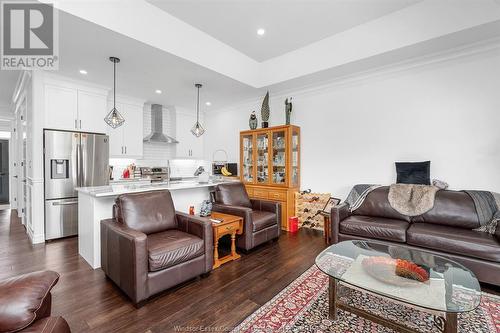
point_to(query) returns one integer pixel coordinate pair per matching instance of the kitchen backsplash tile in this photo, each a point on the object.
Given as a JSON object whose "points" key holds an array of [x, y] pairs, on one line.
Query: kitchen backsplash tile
{"points": [[157, 155]]}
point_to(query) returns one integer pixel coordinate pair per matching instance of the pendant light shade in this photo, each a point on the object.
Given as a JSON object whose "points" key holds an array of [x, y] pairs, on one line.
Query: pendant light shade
{"points": [[114, 118], [197, 129]]}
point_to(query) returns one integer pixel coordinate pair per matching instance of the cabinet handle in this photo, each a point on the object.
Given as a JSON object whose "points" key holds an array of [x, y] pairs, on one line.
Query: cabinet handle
{"points": [[80, 124], [122, 150], [125, 150], [76, 124]]}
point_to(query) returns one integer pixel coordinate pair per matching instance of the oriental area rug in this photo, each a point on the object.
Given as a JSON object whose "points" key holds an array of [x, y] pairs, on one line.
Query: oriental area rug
{"points": [[303, 307]]}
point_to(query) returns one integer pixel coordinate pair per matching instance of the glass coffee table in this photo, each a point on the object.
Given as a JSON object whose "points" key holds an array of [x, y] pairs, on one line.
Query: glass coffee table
{"points": [[414, 278]]}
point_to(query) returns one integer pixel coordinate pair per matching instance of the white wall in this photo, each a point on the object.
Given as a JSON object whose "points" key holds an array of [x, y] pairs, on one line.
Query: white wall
{"points": [[445, 111]]}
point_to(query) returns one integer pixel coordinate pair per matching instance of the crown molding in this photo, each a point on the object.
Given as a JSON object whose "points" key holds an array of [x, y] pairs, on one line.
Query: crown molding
{"points": [[468, 50]]}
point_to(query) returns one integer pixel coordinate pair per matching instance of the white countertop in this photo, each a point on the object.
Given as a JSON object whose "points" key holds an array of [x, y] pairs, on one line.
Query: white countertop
{"points": [[117, 189], [129, 180]]}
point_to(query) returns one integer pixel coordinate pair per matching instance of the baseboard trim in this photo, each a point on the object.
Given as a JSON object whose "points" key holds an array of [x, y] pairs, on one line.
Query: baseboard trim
{"points": [[35, 239]]}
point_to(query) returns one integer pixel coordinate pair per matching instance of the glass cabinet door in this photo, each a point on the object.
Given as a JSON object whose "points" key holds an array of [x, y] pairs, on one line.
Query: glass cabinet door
{"points": [[247, 161], [294, 160], [262, 162], [278, 160]]}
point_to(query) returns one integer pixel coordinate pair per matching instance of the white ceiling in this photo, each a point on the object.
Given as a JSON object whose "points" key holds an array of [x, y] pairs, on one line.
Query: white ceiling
{"points": [[142, 69], [172, 60], [289, 25]]}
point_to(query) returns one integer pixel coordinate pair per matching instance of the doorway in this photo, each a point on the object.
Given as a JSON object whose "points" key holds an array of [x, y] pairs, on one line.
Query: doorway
{"points": [[4, 172]]}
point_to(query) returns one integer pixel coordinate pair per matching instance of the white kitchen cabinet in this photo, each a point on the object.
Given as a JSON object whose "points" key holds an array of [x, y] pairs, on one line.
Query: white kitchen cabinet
{"points": [[126, 140], [189, 146], [91, 112], [74, 109], [61, 108]]}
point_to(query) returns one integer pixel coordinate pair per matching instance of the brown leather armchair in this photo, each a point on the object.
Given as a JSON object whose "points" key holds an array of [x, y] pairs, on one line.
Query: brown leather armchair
{"points": [[26, 302], [261, 219], [148, 247]]}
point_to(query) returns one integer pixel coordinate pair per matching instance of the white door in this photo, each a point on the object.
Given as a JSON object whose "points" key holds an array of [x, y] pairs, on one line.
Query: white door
{"points": [[61, 105], [133, 130], [184, 123], [189, 146], [116, 148], [91, 112]]}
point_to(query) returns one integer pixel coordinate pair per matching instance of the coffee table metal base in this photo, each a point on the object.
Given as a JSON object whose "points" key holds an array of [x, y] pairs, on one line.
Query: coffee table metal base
{"points": [[446, 324]]}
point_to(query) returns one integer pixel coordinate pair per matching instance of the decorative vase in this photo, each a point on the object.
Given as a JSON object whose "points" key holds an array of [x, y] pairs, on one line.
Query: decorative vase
{"points": [[265, 111], [252, 122], [288, 110]]}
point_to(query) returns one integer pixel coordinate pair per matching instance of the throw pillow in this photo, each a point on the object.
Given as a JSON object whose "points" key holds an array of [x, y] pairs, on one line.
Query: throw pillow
{"points": [[413, 173]]}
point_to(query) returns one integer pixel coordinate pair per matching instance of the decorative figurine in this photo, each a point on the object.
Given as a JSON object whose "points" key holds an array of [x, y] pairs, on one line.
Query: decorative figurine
{"points": [[252, 122], [288, 110], [264, 111], [206, 208]]}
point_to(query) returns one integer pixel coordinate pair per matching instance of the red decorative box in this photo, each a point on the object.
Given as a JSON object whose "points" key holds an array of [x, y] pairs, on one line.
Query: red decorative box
{"points": [[293, 224]]}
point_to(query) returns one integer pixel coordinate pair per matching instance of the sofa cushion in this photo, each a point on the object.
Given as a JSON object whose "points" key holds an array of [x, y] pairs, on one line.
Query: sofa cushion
{"points": [[147, 212], [464, 242], [23, 299], [377, 204], [375, 227], [262, 219], [171, 247], [451, 208], [232, 194]]}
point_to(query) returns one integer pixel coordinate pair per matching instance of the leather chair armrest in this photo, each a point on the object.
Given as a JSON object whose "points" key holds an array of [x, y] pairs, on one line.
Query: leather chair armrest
{"points": [[497, 232], [124, 258], [202, 228], [25, 299], [337, 214], [244, 212], [268, 206]]}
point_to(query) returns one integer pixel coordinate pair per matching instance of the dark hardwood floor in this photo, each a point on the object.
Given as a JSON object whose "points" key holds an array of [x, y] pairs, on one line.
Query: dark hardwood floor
{"points": [[91, 303]]}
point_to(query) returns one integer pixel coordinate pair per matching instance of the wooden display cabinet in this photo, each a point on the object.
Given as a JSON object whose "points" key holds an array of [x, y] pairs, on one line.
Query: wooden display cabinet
{"points": [[270, 166]]}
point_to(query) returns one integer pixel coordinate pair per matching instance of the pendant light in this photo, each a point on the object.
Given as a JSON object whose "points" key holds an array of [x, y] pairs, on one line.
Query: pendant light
{"points": [[197, 129], [114, 118]]}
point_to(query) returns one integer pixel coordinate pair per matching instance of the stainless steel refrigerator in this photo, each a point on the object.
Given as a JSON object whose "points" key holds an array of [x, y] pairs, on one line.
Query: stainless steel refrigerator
{"points": [[72, 160]]}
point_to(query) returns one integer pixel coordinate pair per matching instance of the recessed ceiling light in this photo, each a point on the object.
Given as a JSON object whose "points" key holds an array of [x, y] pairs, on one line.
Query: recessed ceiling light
{"points": [[158, 91], [83, 71], [208, 103], [261, 32]]}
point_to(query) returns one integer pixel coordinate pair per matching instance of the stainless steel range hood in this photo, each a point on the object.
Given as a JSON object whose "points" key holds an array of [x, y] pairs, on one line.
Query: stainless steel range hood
{"points": [[157, 135]]}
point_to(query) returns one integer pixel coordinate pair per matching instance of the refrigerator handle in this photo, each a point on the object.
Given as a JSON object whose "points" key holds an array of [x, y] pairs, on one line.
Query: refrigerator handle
{"points": [[83, 178], [75, 162]]}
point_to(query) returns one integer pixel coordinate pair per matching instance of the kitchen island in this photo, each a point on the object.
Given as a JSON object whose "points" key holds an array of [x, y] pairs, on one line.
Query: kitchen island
{"points": [[96, 204]]}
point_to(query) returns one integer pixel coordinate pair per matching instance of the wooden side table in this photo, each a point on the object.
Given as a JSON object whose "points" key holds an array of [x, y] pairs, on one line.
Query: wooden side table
{"points": [[326, 227], [230, 225]]}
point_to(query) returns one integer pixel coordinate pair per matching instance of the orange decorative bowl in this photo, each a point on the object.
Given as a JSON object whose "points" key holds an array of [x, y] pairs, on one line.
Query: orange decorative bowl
{"points": [[388, 270]]}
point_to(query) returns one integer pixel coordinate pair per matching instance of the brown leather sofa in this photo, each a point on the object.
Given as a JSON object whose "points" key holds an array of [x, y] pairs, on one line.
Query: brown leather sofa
{"points": [[26, 302], [261, 219], [148, 247], [445, 230]]}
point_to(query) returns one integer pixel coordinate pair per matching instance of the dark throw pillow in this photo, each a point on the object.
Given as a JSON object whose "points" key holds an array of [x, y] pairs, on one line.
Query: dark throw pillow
{"points": [[413, 172]]}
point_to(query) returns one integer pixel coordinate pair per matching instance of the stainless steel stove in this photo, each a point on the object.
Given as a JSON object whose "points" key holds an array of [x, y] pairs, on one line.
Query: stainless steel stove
{"points": [[155, 174]]}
